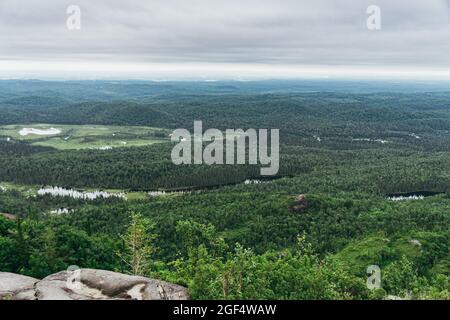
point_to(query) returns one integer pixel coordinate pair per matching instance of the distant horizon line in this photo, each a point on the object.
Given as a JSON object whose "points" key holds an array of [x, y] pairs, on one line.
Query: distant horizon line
{"points": [[393, 80], [188, 71]]}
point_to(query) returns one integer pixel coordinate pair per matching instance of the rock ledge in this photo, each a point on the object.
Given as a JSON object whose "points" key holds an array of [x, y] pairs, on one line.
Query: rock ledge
{"points": [[88, 284]]}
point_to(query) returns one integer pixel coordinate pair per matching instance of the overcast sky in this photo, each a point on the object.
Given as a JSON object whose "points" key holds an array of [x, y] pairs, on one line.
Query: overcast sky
{"points": [[209, 39]]}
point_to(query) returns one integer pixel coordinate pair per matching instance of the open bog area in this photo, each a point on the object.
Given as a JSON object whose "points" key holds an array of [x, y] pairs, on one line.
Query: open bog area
{"points": [[83, 136]]}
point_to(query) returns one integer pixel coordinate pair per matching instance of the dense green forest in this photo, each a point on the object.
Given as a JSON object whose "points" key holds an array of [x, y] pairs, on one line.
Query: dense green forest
{"points": [[345, 146]]}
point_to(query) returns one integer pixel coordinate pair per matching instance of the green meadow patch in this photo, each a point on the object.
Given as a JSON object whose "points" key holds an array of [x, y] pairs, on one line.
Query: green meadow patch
{"points": [[101, 137]]}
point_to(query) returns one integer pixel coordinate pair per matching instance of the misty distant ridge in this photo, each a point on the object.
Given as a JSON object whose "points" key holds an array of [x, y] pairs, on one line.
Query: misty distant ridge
{"points": [[100, 90]]}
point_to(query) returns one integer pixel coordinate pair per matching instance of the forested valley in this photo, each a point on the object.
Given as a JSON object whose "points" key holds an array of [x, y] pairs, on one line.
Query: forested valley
{"points": [[351, 156]]}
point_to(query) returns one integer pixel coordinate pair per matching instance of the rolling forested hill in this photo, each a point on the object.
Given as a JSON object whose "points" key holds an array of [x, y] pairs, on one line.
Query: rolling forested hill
{"points": [[371, 159]]}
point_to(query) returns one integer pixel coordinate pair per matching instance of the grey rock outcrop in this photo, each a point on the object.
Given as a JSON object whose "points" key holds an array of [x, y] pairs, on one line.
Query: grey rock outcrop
{"points": [[88, 284], [8, 216], [300, 203], [16, 286]]}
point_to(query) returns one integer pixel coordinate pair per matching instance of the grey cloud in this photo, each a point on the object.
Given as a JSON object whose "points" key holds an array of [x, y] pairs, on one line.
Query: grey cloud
{"points": [[319, 32]]}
